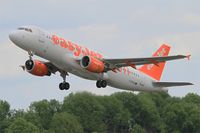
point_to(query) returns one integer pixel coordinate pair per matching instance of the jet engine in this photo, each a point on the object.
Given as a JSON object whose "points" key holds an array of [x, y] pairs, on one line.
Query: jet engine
{"points": [[92, 64], [37, 68]]}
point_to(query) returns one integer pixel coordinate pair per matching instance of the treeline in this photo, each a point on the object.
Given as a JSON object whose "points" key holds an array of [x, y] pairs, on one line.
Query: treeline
{"points": [[118, 113]]}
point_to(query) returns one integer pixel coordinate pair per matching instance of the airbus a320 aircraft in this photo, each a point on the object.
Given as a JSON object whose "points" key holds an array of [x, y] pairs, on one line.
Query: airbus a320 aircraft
{"points": [[67, 57]]}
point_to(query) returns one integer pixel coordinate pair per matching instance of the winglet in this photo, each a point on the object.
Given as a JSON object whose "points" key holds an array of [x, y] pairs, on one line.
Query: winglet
{"points": [[188, 56]]}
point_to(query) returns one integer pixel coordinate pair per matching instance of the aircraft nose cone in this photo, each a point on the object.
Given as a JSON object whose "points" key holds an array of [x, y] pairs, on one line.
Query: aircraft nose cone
{"points": [[12, 36]]}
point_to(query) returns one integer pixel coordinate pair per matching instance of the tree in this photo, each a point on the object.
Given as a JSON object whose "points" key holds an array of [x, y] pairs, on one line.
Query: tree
{"points": [[130, 101], [123, 112], [22, 126], [137, 129], [192, 98], [182, 117], [65, 123], [13, 114], [149, 117], [4, 109], [42, 112], [191, 124], [4, 114], [116, 117], [87, 109]]}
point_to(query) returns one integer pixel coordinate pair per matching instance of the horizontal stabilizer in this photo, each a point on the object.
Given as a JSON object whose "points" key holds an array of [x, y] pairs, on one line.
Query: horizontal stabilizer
{"points": [[170, 84]]}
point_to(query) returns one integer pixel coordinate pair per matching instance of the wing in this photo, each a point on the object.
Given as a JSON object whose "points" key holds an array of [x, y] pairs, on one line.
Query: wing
{"points": [[170, 84], [53, 69], [117, 63]]}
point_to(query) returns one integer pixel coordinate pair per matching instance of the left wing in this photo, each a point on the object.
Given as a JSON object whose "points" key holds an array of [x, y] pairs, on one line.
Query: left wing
{"points": [[52, 68], [117, 63]]}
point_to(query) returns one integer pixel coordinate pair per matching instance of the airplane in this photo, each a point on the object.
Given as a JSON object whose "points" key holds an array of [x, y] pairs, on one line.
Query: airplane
{"points": [[66, 57]]}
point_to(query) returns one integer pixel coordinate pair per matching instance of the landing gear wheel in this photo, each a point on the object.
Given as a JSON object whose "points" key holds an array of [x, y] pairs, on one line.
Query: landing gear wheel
{"points": [[67, 86], [64, 86], [101, 83], [61, 86], [98, 84]]}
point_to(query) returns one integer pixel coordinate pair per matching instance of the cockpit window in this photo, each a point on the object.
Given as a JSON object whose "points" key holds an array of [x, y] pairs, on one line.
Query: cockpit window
{"points": [[26, 29]]}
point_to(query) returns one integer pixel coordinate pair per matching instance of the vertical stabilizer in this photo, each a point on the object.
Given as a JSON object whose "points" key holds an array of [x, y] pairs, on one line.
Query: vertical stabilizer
{"points": [[155, 69]]}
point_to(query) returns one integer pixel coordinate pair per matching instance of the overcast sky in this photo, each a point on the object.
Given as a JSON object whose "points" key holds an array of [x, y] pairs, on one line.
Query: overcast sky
{"points": [[115, 28]]}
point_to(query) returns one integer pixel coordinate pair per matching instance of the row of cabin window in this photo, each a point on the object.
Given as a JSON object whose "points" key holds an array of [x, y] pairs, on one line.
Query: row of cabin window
{"points": [[26, 29]]}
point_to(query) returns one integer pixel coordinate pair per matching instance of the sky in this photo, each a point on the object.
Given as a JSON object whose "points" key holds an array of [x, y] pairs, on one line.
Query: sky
{"points": [[118, 29]]}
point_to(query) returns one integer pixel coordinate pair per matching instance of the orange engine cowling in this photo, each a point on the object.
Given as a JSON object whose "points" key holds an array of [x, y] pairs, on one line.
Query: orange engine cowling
{"points": [[37, 68], [92, 64]]}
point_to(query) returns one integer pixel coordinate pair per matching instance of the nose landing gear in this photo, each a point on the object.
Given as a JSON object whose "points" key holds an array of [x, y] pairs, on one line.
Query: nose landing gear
{"points": [[29, 63]]}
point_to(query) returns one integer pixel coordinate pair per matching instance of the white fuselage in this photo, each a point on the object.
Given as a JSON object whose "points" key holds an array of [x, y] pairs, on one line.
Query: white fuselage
{"points": [[41, 44]]}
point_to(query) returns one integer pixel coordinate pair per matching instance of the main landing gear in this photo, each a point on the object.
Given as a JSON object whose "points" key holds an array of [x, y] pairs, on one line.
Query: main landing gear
{"points": [[101, 84], [64, 85]]}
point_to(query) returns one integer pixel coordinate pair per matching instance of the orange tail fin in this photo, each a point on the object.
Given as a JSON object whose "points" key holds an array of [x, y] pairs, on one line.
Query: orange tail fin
{"points": [[155, 70]]}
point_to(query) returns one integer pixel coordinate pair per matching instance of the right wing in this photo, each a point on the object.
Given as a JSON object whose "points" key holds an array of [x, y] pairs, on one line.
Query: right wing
{"points": [[117, 63]]}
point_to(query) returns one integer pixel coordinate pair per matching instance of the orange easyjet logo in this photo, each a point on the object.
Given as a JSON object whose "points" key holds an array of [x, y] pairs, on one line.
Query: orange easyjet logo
{"points": [[162, 52], [76, 49]]}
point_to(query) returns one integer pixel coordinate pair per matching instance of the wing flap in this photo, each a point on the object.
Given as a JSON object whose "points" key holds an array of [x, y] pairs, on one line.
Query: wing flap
{"points": [[170, 84]]}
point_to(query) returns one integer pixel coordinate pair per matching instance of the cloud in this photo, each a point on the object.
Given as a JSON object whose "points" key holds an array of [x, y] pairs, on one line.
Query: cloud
{"points": [[182, 43], [191, 19], [11, 57], [100, 32]]}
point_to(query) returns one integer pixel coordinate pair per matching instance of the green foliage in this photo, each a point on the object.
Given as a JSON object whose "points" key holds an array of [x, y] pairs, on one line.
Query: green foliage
{"points": [[116, 117], [137, 129], [65, 123], [87, 109], [119, 113], [192, 98], [4, 114], [41, 113], [181, 116], [22, 126], [4, 109], [149, 115]]}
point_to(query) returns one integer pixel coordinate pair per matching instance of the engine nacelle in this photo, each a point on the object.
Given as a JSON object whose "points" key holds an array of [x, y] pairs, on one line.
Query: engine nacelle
{"points": [[92, 64], [37, 68]]}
